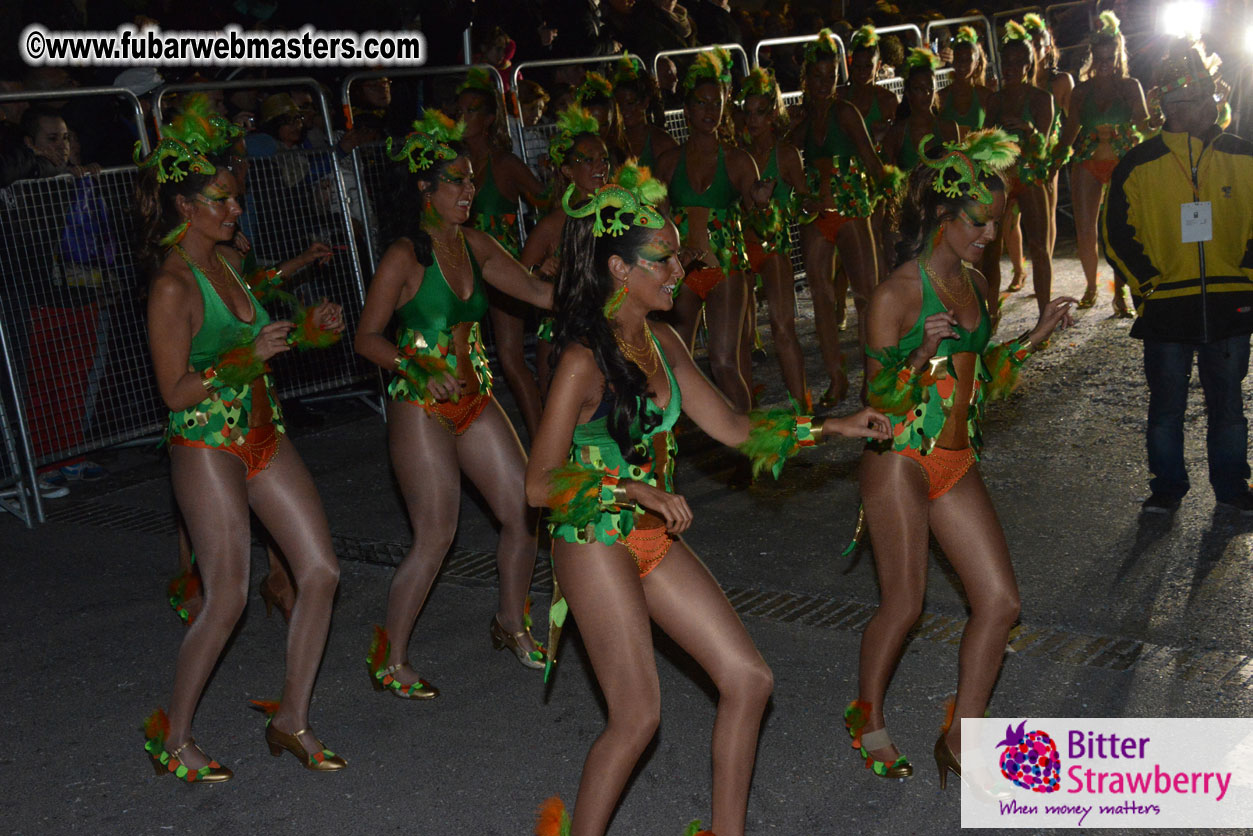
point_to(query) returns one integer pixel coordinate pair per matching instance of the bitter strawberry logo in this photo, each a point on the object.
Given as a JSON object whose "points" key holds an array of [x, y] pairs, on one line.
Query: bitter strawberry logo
{"points": [[1030, 759]]}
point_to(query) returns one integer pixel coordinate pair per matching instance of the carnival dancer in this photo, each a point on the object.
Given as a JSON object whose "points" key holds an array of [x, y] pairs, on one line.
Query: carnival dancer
{"points": [[596, 95], [931, 370], [919, 114], [876, 103], [768, 236], [847, 177], [441, 417], [1056, 81], [1101, 128], [1026, 112], [604, 463], [638, 101], [210, 340], [579, 156], [964, 100], [501, 179], [709, 180]]}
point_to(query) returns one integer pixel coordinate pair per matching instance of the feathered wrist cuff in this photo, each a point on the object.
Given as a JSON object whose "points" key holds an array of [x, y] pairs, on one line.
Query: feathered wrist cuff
{"points": [[892, 181], [897, 387], [1002, 363], [418, 369], [234, 369], [579, 493], [264, 282], [775, 436], [309, 334]]}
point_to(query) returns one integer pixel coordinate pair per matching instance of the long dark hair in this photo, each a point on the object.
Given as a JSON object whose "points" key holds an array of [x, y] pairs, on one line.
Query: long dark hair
{"points": [[924, 209], [156, 210], [584, 284], [407, 204]]}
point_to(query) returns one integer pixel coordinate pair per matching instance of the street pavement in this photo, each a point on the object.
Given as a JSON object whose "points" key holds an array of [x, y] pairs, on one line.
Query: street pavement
{"points": [[1122, 616]]}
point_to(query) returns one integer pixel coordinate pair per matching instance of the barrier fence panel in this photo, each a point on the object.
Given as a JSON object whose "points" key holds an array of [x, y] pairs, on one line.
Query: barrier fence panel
{"points": [[16, 495], [841, 65], [979, 23]]}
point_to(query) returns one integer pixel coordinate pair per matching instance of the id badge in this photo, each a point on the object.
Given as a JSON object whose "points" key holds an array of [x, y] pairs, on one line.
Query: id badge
{"points": [[1196, 220]]}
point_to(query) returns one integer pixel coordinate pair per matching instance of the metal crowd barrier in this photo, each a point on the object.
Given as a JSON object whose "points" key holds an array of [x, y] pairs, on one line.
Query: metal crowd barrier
{"points": [[977, 22], [841, 64]]}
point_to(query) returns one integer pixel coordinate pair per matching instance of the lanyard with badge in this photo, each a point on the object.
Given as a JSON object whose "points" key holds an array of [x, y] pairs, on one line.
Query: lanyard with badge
{"points": [[1196, 219]]}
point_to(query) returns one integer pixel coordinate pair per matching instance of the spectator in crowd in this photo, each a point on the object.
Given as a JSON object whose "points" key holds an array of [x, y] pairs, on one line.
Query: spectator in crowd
{"points": [[532, 98], [1208, 309], [583, 32], [714, 22], [637, 26], [675, 18], [668, 85]]}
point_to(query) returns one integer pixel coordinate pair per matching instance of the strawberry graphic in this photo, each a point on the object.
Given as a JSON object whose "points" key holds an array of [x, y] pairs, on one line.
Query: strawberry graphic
{"points": [[1030, 759]]}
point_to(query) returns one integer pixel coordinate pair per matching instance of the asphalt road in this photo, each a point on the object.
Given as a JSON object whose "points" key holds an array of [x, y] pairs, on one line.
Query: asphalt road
{"points": [[1121, 616]]}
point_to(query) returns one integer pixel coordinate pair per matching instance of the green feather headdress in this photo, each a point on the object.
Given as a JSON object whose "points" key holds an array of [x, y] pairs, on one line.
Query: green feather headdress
{"points": [[966, 35], [923, 58], [188, 140], [430, 142], [1109, 25], [867, 37], [627, 70], [1014, 31], [759, 82], [594, 86], [959, 173], [572, 123], [706, 67], [479, 80], [1034, 24], [724, 63], [628, 201], [823, 48]]}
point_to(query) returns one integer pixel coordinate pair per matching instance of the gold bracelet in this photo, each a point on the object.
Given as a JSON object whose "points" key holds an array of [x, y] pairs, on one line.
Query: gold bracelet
{"points": [[1024, 342], [620, 495], [207, 376], [399, 362], [817, 432]]}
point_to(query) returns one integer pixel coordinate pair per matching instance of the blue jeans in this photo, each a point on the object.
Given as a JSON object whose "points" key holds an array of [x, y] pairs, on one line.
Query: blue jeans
{"points": [[1223, 365]]}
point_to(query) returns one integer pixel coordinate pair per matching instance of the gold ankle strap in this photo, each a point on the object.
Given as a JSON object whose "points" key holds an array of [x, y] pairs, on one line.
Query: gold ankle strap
{"points": [[390, 669], [191, 741]]}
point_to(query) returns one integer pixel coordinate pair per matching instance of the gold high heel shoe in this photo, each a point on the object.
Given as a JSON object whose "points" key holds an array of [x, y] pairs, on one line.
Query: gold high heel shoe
{"points": [[322, 760], [273, 600], [501, 639], [381, 676], [156, 730], [946, 761], [856, 715]]}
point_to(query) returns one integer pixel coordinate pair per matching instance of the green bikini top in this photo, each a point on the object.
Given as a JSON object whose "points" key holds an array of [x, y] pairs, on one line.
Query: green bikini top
{"points": [[836, 143], [907, 157], [435, 307], [221, 330], [719, 195], [972, 118], [1118, 113], [595, 432], [973, 341], [875, 114], [782, 191], [488, 200], [646, 159]]}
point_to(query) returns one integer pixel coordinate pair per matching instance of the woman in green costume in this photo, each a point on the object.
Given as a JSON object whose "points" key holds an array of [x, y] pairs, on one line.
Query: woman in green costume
{"points": [[442, 419], [210, 341], [640, 105], [500, 180], [919, 114], [966, 97], [604, 463], [931, 370]]}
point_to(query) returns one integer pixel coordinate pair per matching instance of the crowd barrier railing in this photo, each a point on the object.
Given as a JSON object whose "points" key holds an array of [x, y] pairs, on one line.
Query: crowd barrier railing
{"points": [[67, 279], [987, 35], [841, 67], [293, 199]]}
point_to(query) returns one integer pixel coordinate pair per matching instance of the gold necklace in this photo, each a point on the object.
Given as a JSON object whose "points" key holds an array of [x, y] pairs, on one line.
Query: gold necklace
{"points": [[220, 282], [455, 256], [960, 298], [645, 359]]}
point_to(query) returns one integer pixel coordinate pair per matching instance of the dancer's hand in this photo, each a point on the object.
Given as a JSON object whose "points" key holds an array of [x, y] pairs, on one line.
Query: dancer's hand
{"points": [[318, 253], [272, 339], [444, 388], [935, 329], [669, 506], [1057, 313], [329, 316], [866, 423]]}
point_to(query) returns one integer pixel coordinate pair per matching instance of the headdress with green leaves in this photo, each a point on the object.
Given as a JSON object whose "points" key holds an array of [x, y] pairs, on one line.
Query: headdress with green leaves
{"points": [[724, 62], [922, 58], [572, 123], [479, 80], [630, 200], [759, 82], [594, 86], [706, 67], [430, 141], [194, 134], [960, 171], [822, 48], [867, 37], [1034, 24], [1109, 30], [627, 70], [966, 35], [1014, 31]]}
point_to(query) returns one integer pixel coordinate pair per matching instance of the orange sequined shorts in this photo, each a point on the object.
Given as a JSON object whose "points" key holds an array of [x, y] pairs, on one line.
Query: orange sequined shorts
{"points": [[829, 223], [703, 280], [648, 542], [457, 417], [943, 468], [257, 449], [1102, 170]]}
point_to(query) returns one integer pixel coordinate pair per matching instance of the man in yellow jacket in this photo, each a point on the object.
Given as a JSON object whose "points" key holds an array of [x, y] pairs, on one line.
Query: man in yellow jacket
{"points": [[1178, 226]]}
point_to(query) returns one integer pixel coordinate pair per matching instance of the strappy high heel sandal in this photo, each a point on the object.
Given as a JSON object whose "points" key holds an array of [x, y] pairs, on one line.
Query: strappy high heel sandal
{"points": [[501, 638], [320, 760], [156, 730], [382, 677], [856, 715]]}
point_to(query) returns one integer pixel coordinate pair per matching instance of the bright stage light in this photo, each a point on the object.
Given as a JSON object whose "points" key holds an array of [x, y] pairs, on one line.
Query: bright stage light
{"points": [[1248, 39], [1184, 18]]}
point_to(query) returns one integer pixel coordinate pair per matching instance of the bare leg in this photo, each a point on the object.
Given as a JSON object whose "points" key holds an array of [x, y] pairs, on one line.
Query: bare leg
{"points": [[781, 300], [687, 308], [491, 455], [1086, 193], [186, 566], [748, 335], [894, 491], [1012, 232], [724, 314], [990, 267], [287, 503], [966, 527], [819, 257], [424, 457], [857, 252], [1036, 228], [508, 331], [212, 495]]}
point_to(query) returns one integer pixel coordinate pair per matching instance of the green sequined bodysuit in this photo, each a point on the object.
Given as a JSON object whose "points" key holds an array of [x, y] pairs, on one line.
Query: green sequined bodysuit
{"points": [[492, 213], [772, 222], [853, 194], [972, 119], [1112, 124], [593, 446], [426, 329], [726, 235], [224, 417]]}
